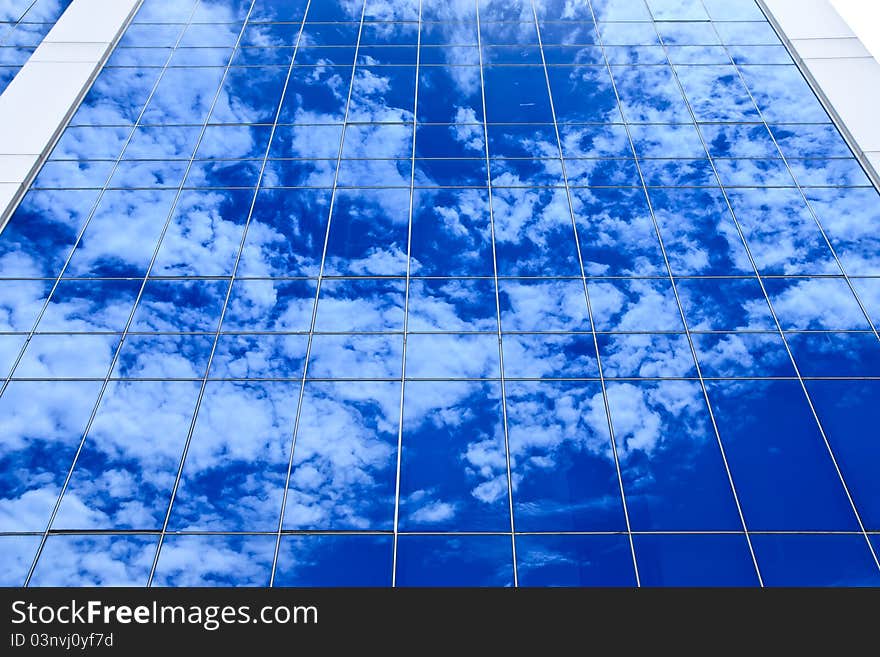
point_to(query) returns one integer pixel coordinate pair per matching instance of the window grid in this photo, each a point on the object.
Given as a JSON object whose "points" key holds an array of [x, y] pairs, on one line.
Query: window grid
{"points": [[122, 339], [776, 319], [685, 323], [806, 200], [46, 305], [588, 300], [333, 199], [492, 234], [598, 330]]}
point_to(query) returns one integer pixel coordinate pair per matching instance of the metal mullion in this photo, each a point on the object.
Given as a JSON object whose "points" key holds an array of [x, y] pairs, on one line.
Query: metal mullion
{"points": [[779, 325], [589, 304], [57, 282], [388, 532], [319, 281], [497, 302], [216, 334], [412, 192], [679, 305], [796, 181]]}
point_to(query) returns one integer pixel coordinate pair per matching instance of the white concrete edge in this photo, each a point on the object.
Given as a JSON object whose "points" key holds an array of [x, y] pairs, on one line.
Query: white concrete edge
{"points": [[841, 71], [40, 101]]}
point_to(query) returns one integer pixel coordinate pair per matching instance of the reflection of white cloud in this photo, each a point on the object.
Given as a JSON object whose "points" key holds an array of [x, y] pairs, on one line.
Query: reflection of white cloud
{"points": [[342, 474], [95, 561], [16, 555], [215, 561], [467, 129]]}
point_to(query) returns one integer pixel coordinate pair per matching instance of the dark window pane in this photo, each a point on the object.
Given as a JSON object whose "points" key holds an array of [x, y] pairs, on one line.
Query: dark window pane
{"points": [[721, 560], [334, 561], [780, 466], [574, 561], [561, 458], [819, 560], [474, 561]]}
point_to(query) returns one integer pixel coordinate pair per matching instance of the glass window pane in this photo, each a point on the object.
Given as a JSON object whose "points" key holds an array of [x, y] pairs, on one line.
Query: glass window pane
{"points": [[574, 561], [95, 561], [453, 305], [16, 555], [259, 357], [452, 356], [90, 306], [360, 306], [215, 561], [702, 561], [325, 561], [345, 457], [635, 305], [453, 469], [673, 472], [43, 424], [779, 463], [356, 357], [236, 466], [616, 232], [818, 560], [543, 305], [561, 459], [847, 411], [451, 233], [67, 357], [163, 357], [475, 561], [180, 306], [125, 473], [270, 306]]}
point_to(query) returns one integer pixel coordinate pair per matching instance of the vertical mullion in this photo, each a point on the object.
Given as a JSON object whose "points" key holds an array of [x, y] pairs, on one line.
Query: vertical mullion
{"points": [[588, 301], [678, 303], [412, 184], [497, 302], [57, 282], [767, 296], [305, 374]]}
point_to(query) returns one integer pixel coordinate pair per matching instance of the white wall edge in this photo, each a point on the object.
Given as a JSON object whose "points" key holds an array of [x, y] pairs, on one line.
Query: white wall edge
{"points": [[40, 101], [844, 75]]}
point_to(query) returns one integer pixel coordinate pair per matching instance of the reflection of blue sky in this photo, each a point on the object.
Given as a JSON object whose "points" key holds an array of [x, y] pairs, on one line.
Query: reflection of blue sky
{"points": [[819, 560], [454, 465], [334, 561], [574, 561], [681, 560], [454, 561]]}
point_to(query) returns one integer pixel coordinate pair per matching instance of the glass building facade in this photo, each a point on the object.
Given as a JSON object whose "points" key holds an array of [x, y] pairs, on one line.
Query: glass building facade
{"points": [[442, 292], [23, 24]]}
